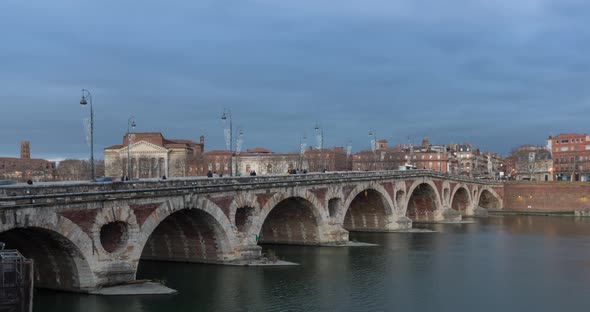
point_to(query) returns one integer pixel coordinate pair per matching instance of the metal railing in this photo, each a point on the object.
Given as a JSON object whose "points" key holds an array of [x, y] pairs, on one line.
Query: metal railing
{"points": [[16, 281]]}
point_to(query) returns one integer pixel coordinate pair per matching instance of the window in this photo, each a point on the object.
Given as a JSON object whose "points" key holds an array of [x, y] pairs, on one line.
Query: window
{"points": [[564, 149], [563, 141]]}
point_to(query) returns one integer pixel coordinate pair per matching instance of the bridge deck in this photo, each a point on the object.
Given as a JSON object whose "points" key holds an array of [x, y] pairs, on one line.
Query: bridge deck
{"points": [[48, 193]]}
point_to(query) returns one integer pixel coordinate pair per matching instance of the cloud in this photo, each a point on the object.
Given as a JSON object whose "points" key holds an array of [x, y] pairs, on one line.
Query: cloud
{"points": [[477, 71]]}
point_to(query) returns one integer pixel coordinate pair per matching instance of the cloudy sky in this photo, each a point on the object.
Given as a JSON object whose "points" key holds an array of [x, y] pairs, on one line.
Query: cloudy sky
{"points": [[495, 73]]}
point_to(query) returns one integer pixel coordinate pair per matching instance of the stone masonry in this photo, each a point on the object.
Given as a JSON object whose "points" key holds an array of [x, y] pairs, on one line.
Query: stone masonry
{"points": [[87, 235]]}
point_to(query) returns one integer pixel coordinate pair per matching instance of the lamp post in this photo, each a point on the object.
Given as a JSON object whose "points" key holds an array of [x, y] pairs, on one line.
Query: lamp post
{"points": [[87, 94], [239, 142], [130, 124], [373, 138], [228, 136], [302, 145], [320, 138]]}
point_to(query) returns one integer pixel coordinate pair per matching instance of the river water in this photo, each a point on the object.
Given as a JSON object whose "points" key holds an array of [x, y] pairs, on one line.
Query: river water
{"points": [[502, 263]]}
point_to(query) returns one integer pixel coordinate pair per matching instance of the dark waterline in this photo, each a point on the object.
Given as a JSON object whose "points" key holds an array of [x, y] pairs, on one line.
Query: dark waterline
{"points": [[511, 263]]}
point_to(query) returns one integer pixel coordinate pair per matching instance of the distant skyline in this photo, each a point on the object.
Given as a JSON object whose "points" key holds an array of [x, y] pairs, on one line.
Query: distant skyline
{"points": [[496, 74]]}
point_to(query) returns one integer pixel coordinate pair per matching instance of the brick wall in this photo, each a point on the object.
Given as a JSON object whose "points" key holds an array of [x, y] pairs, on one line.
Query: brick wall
{"points": [[549, 196]]}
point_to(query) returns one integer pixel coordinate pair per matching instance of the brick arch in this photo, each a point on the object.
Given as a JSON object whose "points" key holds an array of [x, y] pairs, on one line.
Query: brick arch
{"points": [[367, 208], [62, 251], [200, 232], [482, 198], [319, 211], [461, 199], [309, 214], [360, 189], [424, 204]]}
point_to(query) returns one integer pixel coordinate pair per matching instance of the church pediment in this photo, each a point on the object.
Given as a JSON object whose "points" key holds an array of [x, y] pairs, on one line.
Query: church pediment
{"points": [[145, 147]]}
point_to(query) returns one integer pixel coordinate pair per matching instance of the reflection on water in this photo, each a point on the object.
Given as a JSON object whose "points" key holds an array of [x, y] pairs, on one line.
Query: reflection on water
{"points": [[512, 263]]}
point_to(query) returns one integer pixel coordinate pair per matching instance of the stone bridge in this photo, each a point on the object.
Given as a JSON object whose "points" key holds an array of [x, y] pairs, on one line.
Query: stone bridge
{"points": [[84, 236]]}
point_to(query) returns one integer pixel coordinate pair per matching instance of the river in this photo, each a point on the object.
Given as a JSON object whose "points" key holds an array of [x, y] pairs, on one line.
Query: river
{"points": [[502, 263]]}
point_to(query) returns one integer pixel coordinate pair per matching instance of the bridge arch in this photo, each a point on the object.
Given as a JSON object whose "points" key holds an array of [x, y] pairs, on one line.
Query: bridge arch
{"points": [[188, 234], [367, 208], [293, 218], [424, 202], [461, 199], [61, 250], [489, 199]]}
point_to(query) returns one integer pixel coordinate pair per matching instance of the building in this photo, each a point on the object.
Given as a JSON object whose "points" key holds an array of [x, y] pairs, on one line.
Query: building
{"points": [[330, 159], [571, 156], [531, 163], [263, 161], [426, 156], [26, 168], [154, 156]]}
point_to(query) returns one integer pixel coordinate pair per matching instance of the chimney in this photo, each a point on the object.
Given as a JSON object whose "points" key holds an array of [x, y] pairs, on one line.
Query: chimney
{"points": [[25, 150], [202, 142]]}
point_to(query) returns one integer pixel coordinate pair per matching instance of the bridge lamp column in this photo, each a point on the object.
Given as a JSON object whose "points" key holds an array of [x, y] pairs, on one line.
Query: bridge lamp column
{"points": [[228, 136], [239, 141], [130, 125], [320, 137], [87, 95], [373, 139], [302, 145]]}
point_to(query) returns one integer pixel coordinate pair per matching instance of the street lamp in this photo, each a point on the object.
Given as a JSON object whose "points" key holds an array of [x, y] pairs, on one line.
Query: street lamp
{"points": [[239, 141], [228, 136], [130, 124], [320, 138], [302, 145], [87, 94], [373, 137]]}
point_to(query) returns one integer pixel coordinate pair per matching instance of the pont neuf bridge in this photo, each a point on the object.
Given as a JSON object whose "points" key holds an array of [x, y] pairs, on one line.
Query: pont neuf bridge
{"points": [[86, 235]]}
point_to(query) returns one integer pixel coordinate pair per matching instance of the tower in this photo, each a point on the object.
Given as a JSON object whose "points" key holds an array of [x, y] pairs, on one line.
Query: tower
{"points": [[25, 150]]}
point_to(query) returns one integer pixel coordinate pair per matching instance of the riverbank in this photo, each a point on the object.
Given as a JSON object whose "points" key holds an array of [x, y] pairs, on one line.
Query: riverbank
{"points": [[569, 213]]}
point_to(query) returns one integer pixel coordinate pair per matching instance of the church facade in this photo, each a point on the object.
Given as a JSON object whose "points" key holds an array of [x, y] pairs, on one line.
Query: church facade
{"points": [[153, 156]]}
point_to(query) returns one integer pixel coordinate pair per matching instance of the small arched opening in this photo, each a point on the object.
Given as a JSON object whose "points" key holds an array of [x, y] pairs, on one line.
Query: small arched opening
{"points": [[334, 206], [244, 217]]}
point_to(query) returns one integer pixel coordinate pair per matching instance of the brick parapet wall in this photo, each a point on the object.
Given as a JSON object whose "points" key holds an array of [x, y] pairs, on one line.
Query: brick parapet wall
{"points": [[546, 196]]}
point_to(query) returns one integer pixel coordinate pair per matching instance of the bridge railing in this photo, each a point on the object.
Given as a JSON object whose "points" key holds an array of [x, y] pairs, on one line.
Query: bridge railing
{"points": [[57, 192]]}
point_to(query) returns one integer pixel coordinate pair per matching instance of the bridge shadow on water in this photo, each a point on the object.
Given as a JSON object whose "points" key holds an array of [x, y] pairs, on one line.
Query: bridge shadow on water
{"points": [[512, 263]]}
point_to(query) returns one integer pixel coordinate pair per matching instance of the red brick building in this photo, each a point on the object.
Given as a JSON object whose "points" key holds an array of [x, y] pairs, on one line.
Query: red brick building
{"points": [[431, 157], [571, 156], [330, 159], [26, 168]]}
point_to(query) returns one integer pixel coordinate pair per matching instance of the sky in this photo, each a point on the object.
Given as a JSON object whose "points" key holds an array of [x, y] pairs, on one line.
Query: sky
{"points": [[496, 74]]}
